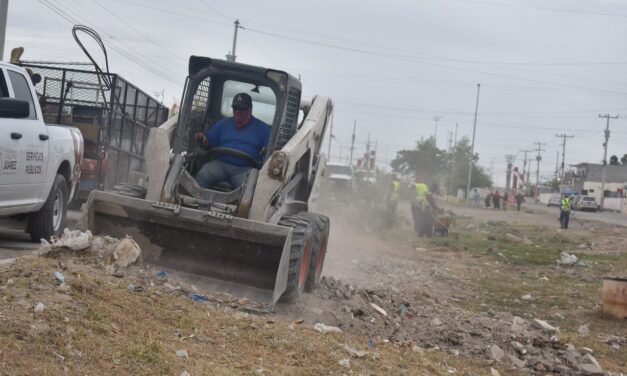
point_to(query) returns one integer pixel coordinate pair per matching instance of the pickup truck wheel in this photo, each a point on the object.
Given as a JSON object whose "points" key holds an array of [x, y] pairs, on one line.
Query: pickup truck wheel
{"points": [[320, 227], [300, 254], [50, 219]]}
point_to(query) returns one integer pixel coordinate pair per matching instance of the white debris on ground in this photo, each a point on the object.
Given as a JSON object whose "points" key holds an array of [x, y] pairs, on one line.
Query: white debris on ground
{"points": [[75, 240], [567, 259]]}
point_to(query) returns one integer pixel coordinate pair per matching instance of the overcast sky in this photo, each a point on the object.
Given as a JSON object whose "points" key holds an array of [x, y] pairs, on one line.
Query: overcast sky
{"points": [[546, 67]]}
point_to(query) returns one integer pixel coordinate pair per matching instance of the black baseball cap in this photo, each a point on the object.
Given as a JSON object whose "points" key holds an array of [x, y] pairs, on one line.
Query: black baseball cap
{"points": [[242, 101]]}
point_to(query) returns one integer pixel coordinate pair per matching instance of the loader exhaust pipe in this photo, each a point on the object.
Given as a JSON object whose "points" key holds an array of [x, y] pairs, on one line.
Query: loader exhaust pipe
{"points": [[224, 253]]}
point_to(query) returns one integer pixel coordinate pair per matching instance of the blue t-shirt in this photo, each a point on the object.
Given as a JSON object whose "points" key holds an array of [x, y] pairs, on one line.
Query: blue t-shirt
{"points": [[250, 139]]}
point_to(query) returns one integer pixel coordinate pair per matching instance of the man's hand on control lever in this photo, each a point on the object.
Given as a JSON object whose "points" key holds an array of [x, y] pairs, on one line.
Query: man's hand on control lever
{"points": [[200, 137]]}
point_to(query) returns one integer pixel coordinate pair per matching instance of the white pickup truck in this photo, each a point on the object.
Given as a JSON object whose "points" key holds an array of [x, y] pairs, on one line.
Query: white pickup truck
{"points": [[39, 163]]}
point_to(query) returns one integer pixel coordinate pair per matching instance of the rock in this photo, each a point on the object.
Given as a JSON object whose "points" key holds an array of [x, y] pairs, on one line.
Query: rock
{"points": [[583, 330], [421, 249], [586, 350], [526, 297], [519, 324], [353, 352], [243, 301], [182, 353], [346, 363], [39, 307], [514, 238], [591, 370], [118, 274], [126, 252], [519, 347], [378, 309], [518, 363], [494, 248], [544, 279], [544, 326], [260, 371], [589, 359], [60, 277], [567, 259], [563, 369], [418, 349], [496, 353], [435, 322], [494, 372], [526, 241], [185, 373], [319, 327]]}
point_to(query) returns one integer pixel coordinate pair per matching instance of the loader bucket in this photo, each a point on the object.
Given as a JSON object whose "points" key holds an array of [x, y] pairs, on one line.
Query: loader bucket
{"points": [[227, 254]]}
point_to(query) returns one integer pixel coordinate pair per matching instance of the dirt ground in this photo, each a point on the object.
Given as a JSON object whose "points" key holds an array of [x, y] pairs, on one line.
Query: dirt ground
{"points": [[489, 296]]}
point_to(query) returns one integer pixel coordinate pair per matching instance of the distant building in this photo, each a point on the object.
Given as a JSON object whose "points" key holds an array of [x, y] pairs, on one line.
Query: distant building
{"points": [[588, 179]]}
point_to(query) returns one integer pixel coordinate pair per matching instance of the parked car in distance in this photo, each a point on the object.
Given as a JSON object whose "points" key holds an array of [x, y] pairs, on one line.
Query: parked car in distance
{"points": [[555, 200], [586, 203], [340, 175]]}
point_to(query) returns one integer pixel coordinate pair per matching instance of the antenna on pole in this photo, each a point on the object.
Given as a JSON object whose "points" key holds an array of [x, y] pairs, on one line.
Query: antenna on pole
{"points": [[231, 55]]}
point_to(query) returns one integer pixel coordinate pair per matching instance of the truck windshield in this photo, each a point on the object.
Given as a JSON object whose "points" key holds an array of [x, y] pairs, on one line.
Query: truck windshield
{"points": [[264, 100]]}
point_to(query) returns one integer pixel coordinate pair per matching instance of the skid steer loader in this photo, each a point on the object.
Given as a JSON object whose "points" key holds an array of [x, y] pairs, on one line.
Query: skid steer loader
{"points": [[260, 240]]}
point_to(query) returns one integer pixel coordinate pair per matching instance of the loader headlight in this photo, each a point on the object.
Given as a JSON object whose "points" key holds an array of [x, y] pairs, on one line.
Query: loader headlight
{"points": [[278, 164]]}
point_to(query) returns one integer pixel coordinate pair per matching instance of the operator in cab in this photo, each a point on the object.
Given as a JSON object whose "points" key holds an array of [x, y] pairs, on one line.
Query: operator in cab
{"points": [[242, 132]]}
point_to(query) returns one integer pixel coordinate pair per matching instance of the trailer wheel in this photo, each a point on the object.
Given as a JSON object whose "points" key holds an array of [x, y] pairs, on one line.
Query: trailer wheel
{"points": [[300, 254], [50, 219], [320, 227]]}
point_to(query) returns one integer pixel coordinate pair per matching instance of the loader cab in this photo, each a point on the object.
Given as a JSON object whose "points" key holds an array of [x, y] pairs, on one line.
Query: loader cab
{"points": [[209, 91]]}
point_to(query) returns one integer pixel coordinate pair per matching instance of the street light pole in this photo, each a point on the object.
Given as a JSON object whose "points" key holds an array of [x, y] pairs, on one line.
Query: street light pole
{"points": [[435, 132], [231, 56], [472, 147], [4, 10]]}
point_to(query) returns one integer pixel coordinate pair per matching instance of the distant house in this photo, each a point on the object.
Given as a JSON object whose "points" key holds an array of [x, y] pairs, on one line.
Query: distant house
{"points": [[588, 179]]}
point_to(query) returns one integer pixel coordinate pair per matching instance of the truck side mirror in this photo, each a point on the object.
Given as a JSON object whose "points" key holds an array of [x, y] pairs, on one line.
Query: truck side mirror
{"points": [[14, 108]]}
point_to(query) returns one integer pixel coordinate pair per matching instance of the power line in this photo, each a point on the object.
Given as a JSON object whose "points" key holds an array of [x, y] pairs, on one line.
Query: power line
{"points": [[563, 10]]}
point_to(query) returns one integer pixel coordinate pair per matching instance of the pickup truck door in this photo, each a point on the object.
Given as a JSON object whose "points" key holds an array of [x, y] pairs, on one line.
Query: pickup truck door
{"points": [[24, 149]]}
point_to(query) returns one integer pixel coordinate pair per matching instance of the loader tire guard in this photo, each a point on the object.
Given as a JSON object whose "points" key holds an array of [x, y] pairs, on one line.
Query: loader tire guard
{"points": [[300, 255], [320, 227]]}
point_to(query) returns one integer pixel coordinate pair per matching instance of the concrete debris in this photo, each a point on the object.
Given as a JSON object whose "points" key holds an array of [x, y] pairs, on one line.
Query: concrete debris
{"points": [[378, 309], [519, 324], [544, 326], [586, 350], [418, 249], [39, 307], [182, 353], [75, 240], [494, 372], [526, 297], [320, 327], [353, 352], [589, 359], [567, 259], [496, 353], [436, 322], [59, 277], [346, 363], [126, 252], [591, 370], [584, 330], [185, 373]]}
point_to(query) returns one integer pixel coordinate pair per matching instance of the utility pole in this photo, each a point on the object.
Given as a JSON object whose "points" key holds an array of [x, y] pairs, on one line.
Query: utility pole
{"points": [[491, 170], [435, 132], [557, 161], [538, 159], [563, 136], [509, 158], [526, 177], [607, 137], [472, 147], [231, 55], [4, 11], [350, 161], [455, 134], [367, 167]]}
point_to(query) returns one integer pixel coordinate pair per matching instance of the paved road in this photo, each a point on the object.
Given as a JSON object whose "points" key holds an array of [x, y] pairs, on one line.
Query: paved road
{"points": [[14, 243], [607, 217]]}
